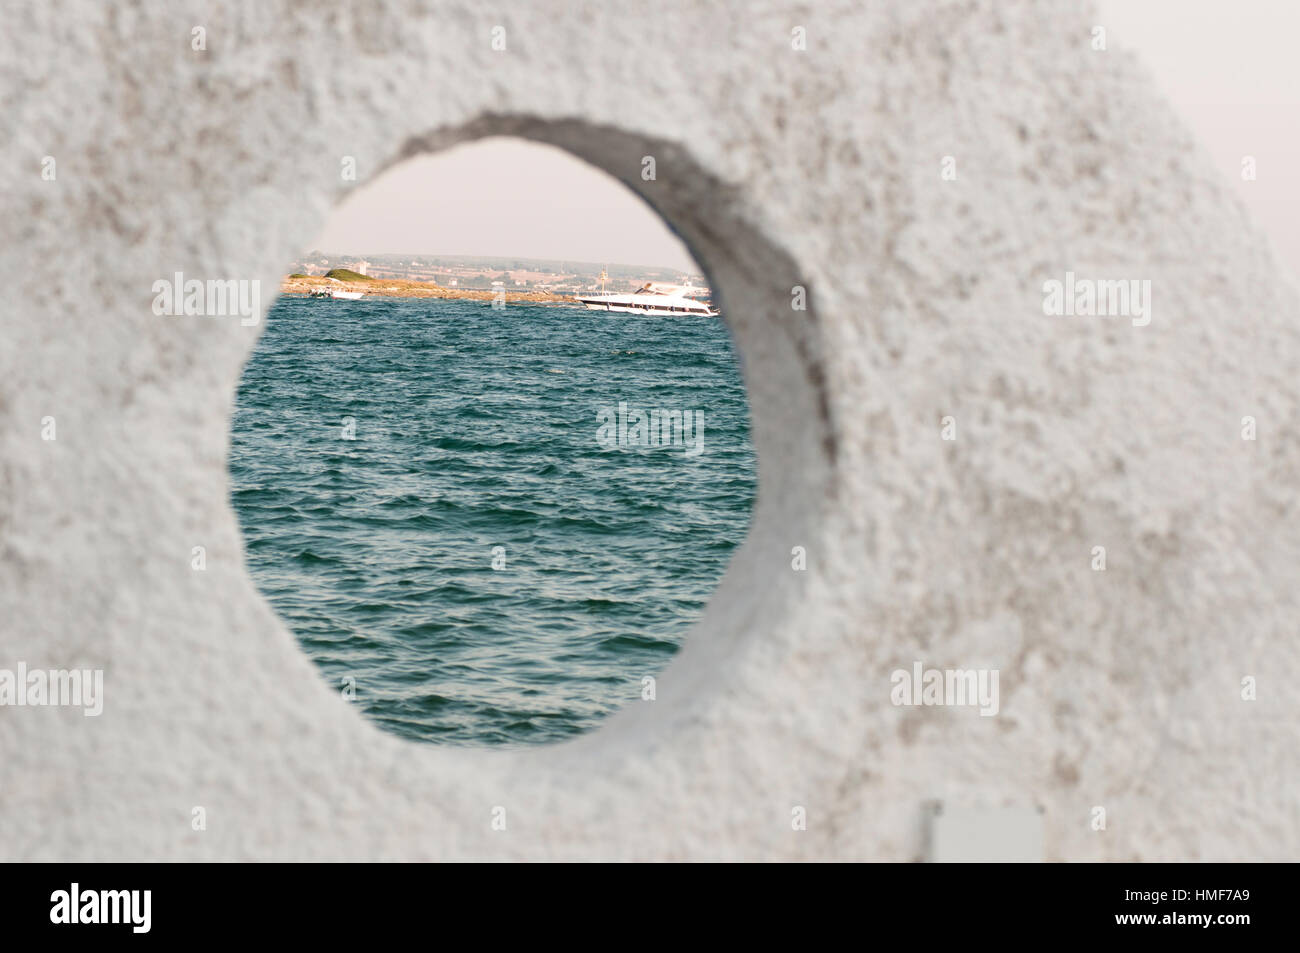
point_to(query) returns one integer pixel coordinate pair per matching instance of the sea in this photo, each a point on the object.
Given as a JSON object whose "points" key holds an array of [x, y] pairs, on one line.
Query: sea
{"points": [[454, 509]]}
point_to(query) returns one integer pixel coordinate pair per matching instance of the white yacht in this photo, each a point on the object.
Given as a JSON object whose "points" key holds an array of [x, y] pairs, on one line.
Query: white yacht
{"points": [[651, 298]]}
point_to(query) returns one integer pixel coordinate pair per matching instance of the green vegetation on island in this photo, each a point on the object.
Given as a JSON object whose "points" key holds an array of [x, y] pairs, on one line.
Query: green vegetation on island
{"points": [[344, 274]]}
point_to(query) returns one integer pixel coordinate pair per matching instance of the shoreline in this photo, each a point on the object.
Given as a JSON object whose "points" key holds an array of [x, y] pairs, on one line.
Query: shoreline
{"points": [[401, 288]]}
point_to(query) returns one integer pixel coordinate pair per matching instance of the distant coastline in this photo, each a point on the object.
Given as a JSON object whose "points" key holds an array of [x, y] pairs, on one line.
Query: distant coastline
{"points": [[400, 288]]}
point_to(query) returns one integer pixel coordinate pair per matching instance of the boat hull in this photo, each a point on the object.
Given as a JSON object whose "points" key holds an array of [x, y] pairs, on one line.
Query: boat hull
{"points": [[650, 310]]}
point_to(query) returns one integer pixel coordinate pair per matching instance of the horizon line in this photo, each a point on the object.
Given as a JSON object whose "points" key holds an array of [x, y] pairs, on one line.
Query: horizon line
{"points": [[577, 261]]}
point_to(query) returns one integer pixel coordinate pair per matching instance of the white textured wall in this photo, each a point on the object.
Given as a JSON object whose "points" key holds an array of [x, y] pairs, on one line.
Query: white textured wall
{"points": [[819, 168]]}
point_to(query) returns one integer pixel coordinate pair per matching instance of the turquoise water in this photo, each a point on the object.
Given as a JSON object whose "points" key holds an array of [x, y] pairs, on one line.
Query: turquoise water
{"points": [[476, 429]]}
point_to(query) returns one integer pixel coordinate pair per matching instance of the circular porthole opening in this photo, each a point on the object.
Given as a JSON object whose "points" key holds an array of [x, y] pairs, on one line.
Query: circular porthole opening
{"points": [[491, 454]]}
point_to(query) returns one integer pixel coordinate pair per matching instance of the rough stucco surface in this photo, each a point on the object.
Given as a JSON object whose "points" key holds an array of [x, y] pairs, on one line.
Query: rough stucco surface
{"points": [[1119, 688]]}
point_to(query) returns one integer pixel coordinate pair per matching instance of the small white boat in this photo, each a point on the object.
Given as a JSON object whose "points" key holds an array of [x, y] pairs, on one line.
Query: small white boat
{"points": [[335, 293], [651, 298]]}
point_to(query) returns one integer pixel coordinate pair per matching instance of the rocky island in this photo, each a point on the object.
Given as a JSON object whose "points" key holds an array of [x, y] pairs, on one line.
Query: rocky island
{"points": [[341, 279]]}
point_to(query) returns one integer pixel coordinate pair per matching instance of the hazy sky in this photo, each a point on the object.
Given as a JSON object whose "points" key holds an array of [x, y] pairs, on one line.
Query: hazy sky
{"points": [[1231, 69], [1228, 66], [502, 197]]}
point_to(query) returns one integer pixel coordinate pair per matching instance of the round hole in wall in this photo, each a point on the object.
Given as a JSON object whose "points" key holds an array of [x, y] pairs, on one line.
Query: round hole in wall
{"points": [[491, 454]]}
